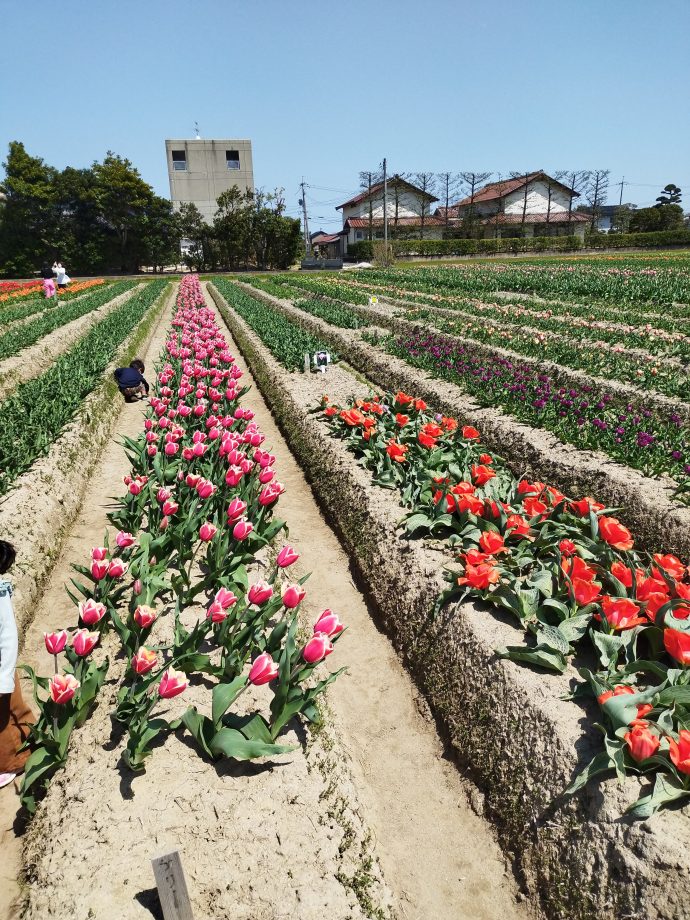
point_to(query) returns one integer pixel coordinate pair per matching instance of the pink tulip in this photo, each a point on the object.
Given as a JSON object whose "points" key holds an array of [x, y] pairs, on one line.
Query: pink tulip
{"points": [[124, 540], [259, 593], [91, 612], [62, 687], [117, 568], [192, 480], [170, 507], [271, 493], [171, 449], [144, 616], [236, 509], [242, 529], [83, 642], [266, 475], [225, 598], [328, 623], [137, 587], [55, 642], [151, 450], [135, 487], [98, 553], [207, 532], [144, 661], [164, 523], [287, 556], [163, 494], [172, 683], [99, 570], [293, 595], [264, 670], [205, 488], [317, 648], [199, 450], [234, 475], [216, 613]]}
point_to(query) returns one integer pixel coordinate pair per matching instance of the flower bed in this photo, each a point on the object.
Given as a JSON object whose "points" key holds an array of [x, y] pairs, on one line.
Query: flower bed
{"points": [[29, 289], [197, 512], [26, 308], [14, 340], [508, 725]]}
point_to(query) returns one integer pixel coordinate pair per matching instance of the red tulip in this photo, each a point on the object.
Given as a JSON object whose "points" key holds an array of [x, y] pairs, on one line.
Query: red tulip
{"points": [[242, 529], [207, 532], [480, 576], [98, 553], [259, 593], [144, 661], [679, 751], [567, 547], [117, 568], [287, 556], [172, 684], [491, 542], [317, 648], [99, 570], [612, 531], [55, 642], [641, 742], [293, 595], [469, 433], [677, 644], [91, 612], [621, 612], [264, 670], [620, 690], [328, 623], [62, 687], [83, 642], [622, 573], [144, 616]]}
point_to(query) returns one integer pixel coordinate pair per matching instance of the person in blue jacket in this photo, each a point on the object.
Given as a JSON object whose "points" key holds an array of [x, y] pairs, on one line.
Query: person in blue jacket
{"points": [[131, 381]]}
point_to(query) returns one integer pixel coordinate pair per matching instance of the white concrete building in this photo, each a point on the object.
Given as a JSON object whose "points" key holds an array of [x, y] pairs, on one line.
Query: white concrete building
{"points": [[200, 170], [530, 205], [408, 209]]}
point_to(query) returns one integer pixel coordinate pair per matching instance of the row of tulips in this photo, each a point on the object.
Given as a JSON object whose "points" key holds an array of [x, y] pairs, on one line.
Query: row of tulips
{"points": [[14, 291], [188, 585], [566, 569]]}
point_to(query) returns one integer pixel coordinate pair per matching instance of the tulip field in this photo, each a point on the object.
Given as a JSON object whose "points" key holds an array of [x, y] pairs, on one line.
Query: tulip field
{"points": [[503, 452]]}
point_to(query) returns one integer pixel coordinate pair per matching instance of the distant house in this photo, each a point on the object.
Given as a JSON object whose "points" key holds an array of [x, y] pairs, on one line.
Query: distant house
{"points": [[607, 214], [326, 245], [408, 210], [531, 205]]}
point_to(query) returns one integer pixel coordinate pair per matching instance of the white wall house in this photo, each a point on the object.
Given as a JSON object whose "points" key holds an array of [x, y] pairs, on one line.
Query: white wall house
{"points": [[531, 205], [409, 212]]}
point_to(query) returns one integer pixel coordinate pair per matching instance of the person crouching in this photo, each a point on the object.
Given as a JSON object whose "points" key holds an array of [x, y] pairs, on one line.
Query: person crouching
{"points": [[131, 381]]}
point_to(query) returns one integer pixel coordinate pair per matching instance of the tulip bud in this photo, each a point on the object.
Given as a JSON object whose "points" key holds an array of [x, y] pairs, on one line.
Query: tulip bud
{"points": [[263, 670], [317, 648], [83, 642], [137, 587], [172, 683], [55, 642], [164, 523], [328, 623], [287, 556], [62, 688], [293, 595], [207, 532], [259, 593], [98, 553], [91, 612]]}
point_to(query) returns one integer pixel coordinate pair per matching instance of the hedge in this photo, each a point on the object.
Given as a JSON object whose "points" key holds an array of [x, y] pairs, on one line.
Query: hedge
{"points": [[363, 251]]}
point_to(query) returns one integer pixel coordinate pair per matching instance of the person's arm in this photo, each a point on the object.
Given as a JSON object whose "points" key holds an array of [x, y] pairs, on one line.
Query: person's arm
{"points": [[146, 384], [9, 645]]}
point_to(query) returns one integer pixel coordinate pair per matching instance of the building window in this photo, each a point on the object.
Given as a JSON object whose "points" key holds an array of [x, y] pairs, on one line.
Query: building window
{"points": [[359, 235], [379, 234], [179, 159], [232, 158]]}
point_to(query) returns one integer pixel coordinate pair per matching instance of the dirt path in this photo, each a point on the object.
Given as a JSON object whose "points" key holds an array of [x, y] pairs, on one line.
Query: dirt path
{"points": [[51, 612], [32, 361], [437, 855]]}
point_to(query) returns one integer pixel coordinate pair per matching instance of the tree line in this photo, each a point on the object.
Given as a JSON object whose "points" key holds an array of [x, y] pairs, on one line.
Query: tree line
{"points": [[105, 218], [589, 191]]}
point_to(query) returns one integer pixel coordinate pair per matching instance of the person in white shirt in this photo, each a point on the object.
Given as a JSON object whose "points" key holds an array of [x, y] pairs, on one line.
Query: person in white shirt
{"points": [[63, 278], [15, 715]]}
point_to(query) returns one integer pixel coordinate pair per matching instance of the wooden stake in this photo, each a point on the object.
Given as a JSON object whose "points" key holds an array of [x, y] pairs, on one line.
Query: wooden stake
{"points": [[172, 887]]}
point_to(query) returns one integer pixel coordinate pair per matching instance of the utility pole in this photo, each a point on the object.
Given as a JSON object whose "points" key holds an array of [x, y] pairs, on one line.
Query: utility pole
{"points": [[621, 183], [385, 206], [303, 202]]}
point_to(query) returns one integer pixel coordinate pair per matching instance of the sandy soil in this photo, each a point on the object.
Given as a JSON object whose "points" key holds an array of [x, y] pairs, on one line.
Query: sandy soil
{"points": [[33, 361]]}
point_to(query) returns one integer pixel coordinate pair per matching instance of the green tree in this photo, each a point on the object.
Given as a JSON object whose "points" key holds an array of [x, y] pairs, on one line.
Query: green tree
{"points": [[665, 217], [670, 194], [123, 198], [29, 228], [622, 217]]}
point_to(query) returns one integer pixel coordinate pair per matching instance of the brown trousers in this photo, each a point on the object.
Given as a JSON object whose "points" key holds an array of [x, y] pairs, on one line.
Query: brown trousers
{"points": [[15, 719]]}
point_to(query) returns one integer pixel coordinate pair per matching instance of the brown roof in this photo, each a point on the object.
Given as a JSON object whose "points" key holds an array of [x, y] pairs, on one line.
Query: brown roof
{"points": [[362, 223], [558, 217], [325, 238], [378, 187], [495, 190]]}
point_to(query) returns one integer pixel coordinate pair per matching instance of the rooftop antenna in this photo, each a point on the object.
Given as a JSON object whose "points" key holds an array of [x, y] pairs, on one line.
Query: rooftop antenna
{"points": [[196, 128]]}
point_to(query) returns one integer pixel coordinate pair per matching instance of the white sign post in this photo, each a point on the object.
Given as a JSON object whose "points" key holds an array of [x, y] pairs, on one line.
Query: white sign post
{"points": [[172, 887]]}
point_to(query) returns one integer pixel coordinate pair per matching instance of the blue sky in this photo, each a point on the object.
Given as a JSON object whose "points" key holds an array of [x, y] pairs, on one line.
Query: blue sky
{"points": [[326, 90]]}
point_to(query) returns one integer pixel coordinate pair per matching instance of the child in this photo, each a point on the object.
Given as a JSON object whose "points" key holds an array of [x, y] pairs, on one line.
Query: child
{"points": [[15, 715], [131, 381]]}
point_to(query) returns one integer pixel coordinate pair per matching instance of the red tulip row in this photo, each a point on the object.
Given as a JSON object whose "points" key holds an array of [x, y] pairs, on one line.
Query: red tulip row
{"points": [[197, 513], [566, 569]]}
